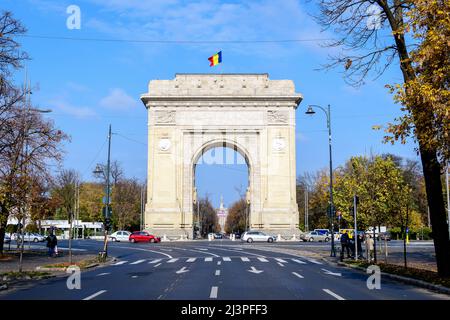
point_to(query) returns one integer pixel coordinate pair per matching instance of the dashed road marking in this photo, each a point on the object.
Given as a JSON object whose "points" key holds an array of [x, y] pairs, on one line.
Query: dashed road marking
{"points": [[158, 265], [172, 260], [219, 263], [281, 260], [245, 259], [155, 261], [297, 275], [138, 261], [298, 261], [191, 259], [208, 259], [95, 295], [280, 264], [213, 294], [331, 293], [226, 259], [119, 263], [103, 274], [217, 272], [313, 261], [263, 259]]}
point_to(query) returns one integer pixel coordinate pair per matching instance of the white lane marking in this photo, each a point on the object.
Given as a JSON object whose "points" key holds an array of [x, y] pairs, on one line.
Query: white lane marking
{"points": [[119, 263], [213, 294], [162, 249], [254, 270], [331, 273], [280, 264], [158, 265], [203, 249], [331, 293], [248, 253], [217, 272], [298, 261], [95, 295], [134, 277], [137, 262], [297, 275], [155, 261], [148, 250], [226, 259], [313, 261], [238, 249], [182, 270], [263, 260], [172, 260], [208, 259], [191, 259], [103, 274], [219, 263], [281, 260], [245, 259]]}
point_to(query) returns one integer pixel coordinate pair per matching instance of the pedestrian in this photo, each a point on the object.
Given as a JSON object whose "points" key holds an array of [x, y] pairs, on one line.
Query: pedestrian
{"points": [[344, 245], [369, 248], [51, 243], [360, 239], [351, 245]]}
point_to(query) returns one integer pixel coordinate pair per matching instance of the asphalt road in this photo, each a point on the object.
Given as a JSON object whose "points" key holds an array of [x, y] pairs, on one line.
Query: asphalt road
{"points": [[220, 269]]}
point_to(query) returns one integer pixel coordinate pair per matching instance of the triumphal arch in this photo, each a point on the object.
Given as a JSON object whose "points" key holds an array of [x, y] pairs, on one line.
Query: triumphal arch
{"points": [[248, 113]]}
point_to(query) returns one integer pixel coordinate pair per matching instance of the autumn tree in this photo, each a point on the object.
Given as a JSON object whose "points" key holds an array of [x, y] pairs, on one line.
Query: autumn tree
{"points": [[126, 204], [374, 34], [208, 217], [64, 191], [236, 218]]}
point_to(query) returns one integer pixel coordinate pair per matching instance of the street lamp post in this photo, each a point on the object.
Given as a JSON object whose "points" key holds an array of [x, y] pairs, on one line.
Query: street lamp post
{"points": [[103, 254], [327, 111]]}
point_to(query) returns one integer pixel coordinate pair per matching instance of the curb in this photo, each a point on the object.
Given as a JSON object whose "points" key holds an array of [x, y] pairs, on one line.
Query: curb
{"points": [[418, 283]]}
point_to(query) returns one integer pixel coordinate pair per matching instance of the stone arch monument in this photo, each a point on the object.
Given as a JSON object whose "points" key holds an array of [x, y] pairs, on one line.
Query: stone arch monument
{"points": [[248, 113]]}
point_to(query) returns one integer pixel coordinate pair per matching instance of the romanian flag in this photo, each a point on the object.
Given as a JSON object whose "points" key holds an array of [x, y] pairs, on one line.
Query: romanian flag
{"points": [[215, 59]]}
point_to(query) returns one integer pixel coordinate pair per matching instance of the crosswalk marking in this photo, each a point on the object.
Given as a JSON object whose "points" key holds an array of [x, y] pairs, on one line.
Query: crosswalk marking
{"points": [[313, 261], [119, 263], [191, 259], [155, 261], [299, 261], [172, 260], [281, 260], [226, 259], [208, 259], [213, 294], [138, 261], [263, 260], [331, 293], [245, 259]]}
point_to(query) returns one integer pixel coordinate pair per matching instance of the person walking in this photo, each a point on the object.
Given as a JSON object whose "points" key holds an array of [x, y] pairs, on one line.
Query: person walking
{"points": [[52, 241], [360, 240], [369, 248], [345, 245]]}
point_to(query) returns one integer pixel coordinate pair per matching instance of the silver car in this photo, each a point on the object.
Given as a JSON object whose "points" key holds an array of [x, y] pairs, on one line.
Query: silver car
{"points": [[31, 237], [251, 236], [120, 236], [315, 236]]}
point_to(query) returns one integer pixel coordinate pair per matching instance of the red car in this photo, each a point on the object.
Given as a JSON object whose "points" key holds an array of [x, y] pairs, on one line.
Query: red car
{"points": [[143, 236]]}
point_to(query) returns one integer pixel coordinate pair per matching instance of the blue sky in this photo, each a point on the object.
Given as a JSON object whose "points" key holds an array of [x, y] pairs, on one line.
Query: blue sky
{"points": [[90, 84]]}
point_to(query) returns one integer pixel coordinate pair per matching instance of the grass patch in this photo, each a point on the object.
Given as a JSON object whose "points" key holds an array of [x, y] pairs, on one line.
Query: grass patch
{"points": [[418, 274], [81, 264], [24, 275]]}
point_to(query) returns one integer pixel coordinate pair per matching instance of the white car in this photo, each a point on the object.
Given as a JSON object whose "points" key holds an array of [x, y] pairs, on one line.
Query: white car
{"points": [[120, 236], [251, 236], [31, 237]]}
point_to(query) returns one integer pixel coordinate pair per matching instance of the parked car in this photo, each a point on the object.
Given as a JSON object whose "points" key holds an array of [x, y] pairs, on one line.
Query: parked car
{"points": [[7, 238], [143, 236], [31, 237], [322, 231], [314, 236], [218, 236], [385, 235], [120, 236], [251, 236]]}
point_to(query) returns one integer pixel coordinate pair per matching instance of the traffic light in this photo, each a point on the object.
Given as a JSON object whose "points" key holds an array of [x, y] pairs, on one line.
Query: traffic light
{"points": [[108, 224]]}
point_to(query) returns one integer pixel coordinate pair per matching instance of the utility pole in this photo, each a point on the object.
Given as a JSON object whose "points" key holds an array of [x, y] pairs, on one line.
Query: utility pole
{"points": [[448, 199], [306, 208], [355, 234]]}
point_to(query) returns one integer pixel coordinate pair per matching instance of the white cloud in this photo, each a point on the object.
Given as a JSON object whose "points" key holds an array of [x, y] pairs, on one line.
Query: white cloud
{"points": [[69, 109], [118, 99]]}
